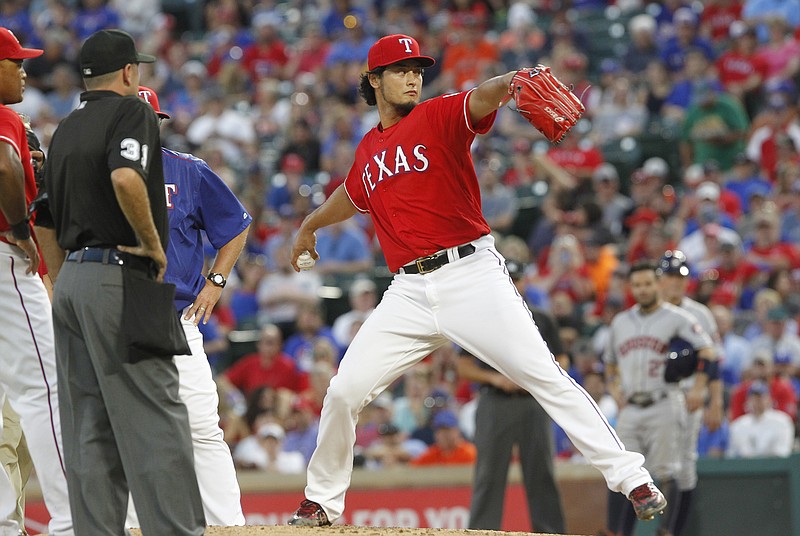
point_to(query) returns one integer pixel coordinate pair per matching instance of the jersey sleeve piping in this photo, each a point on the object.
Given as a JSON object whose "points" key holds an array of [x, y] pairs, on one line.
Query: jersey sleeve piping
{"points": [[467, 118], [12, 144], [361, 210]]}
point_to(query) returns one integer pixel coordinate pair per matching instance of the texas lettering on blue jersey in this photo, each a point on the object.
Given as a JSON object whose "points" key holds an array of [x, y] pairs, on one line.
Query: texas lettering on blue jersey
{"points": [[197, 201]]}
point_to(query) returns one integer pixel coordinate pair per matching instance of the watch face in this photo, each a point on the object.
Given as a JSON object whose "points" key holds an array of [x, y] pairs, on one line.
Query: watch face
{"points": [[217, 279]]}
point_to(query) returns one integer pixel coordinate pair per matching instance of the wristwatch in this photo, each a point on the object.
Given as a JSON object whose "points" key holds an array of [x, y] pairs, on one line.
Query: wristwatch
{"points": [[217, 279]]}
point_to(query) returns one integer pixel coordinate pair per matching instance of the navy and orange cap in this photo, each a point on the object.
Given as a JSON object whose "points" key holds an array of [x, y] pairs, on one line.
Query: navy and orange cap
{"points": [[673, 262]]}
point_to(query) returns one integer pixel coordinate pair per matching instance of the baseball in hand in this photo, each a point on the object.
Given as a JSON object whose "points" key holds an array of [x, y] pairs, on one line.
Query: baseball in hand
{"points": [[305, 261]]}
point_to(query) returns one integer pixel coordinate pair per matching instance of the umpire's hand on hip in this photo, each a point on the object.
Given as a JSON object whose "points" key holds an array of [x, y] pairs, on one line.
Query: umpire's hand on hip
{"points": [[156, 253]]}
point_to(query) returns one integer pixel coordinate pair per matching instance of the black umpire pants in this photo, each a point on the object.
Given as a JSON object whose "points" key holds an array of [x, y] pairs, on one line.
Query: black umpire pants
{"points": [[502, 421]]}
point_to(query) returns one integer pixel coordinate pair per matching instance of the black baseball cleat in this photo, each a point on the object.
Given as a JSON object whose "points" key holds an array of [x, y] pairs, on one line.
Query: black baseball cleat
{"points": [[310, 514], [647, 501]]}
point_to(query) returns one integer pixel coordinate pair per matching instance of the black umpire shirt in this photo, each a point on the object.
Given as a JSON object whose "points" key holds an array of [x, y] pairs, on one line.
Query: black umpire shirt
{"points": [[107, 131]]}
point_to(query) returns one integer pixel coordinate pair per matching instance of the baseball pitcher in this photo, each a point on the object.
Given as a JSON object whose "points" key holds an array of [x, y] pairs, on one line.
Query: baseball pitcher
{"points": [[413, 173]]}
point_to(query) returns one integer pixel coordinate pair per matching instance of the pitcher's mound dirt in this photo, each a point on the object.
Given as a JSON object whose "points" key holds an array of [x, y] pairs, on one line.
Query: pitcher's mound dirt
{"points": [[347, 530]]}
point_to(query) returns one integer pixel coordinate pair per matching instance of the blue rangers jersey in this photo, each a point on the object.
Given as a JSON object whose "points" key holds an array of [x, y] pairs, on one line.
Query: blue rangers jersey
{"points": [[197, 200]]}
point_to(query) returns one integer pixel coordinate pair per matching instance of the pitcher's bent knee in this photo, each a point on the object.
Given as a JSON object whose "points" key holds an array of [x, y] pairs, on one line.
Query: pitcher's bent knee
{"points": [[342, 397]]}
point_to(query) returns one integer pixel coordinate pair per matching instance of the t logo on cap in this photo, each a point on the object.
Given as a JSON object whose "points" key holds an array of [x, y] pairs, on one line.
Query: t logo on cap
{"points": [[144, 94], [407, 41], [150, 97], [394, 48]]}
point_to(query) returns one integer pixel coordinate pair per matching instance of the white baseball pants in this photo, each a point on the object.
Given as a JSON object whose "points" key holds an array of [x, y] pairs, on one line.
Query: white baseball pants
{"points": [[473, 303], [28, 378]]}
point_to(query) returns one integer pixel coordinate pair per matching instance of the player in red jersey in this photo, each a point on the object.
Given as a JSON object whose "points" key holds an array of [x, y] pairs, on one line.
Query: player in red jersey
{"points": [[413, 173], [27, 350]]}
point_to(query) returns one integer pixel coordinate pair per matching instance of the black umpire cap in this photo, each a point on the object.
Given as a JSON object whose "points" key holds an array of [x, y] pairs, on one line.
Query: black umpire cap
{"points": [[673, 262], [107, 51]]}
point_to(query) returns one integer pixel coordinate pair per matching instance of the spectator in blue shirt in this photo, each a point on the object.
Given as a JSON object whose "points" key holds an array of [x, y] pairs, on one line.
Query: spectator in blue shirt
{"points": [[309, 326], [343, 251], [686, 37], [744, 180], [759, 12], [302, 427], [94, 15], [713, 444]]}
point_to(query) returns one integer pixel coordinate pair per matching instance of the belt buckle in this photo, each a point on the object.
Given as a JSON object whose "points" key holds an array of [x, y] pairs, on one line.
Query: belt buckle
{"points": [[642, 399], [115, 257], [419, 262]]}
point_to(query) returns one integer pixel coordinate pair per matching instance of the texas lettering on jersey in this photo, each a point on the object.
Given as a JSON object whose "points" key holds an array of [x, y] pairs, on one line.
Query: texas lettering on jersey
{"points": [[379, 167]]}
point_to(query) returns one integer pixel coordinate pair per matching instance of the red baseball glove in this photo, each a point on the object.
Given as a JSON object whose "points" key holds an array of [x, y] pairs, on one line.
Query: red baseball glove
{"points": [[545, 102]]}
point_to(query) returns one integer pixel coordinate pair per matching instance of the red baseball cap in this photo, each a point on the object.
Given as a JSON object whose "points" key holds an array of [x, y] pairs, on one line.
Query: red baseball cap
{"points": [[10, 49], [150, 97], [394, 48]]}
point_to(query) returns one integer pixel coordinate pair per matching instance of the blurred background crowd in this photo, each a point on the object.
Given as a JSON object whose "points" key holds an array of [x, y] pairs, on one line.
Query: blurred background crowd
{"points": [[690, 141]]}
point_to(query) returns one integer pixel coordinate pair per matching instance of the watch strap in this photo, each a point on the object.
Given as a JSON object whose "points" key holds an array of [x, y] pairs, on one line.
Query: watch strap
{"points": [[214, 276]]}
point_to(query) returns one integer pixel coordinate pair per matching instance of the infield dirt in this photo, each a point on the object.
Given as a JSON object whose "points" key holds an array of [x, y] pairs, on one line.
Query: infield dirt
{"points": [[348, 530]]}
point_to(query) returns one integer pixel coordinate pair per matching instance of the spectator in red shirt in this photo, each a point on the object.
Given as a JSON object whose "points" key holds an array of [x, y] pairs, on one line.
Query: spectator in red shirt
{"points": [[783, 395], [740, 69], [767, 250], [269, 366], [775, 135], [579, 160], [649, 237], [468, 11], [449, 447], [732, 268], [563, 268], [267, 57], [717, 17], [308, 55]]}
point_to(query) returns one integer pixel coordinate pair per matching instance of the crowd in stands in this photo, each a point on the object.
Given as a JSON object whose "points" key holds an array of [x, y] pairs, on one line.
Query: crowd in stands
{"points": [[691, 140]]}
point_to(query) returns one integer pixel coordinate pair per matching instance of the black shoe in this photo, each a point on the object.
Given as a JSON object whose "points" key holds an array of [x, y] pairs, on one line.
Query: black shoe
{"points": [[310, 514]]}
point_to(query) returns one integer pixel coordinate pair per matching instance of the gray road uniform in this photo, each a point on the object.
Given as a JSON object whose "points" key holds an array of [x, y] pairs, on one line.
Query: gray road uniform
{"points": [[654, 415], [687, 476]]}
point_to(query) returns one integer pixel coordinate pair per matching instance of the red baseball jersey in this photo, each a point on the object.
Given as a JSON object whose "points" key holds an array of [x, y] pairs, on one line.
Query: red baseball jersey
{"points": [[717, 19], [404, 175], [734, 67], [12, 132]]}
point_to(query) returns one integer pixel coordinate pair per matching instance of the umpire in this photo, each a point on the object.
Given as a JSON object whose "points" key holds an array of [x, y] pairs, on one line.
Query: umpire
{"points": [[507, 415], [124, 428]]}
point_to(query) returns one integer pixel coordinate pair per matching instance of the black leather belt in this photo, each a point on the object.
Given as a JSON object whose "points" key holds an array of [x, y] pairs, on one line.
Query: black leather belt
{"points": [[645, 399], [425, 265], [111, 256], [491, 389]]}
